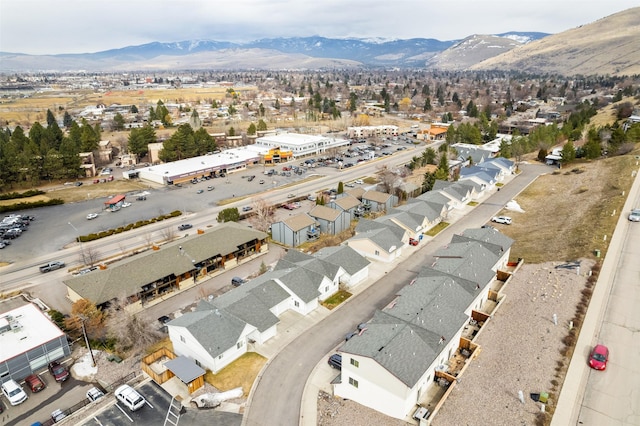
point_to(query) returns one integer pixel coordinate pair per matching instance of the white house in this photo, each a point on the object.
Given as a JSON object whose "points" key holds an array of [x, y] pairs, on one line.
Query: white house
{"points": [[391, 363]]}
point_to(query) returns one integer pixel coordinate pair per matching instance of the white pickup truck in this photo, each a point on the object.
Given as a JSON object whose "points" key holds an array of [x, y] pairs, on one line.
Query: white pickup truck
{"points": [[51, 266]]}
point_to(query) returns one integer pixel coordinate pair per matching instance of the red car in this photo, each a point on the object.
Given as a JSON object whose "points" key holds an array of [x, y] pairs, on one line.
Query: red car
{"points": [[58, 371], [599, 357], [34, 383], [413, 242]]}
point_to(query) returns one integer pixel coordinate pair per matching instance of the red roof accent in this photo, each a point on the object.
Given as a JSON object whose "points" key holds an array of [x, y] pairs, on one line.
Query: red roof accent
{"points": [[115, 200]]}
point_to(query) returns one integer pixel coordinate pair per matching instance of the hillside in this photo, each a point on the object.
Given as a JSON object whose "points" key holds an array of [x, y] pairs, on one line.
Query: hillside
{"points": [[608, 46], [470, 51]]}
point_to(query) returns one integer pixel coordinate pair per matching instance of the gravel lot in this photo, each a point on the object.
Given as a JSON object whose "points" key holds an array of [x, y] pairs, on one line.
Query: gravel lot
{"points": [[520, 350]]}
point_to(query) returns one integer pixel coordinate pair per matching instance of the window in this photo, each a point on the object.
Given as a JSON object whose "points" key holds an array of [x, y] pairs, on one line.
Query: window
{"points": [[377, 253], [296, 303], [355, 363], [239, 344], [326, 289], [183, 340], [353, 382]]}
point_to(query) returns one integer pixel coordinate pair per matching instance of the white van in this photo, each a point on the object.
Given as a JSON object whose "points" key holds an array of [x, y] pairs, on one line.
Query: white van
{"points": [[130, 397]]}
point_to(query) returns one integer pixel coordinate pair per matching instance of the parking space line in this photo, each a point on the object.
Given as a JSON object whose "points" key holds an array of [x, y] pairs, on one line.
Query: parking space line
{"points": [[123, 412]]}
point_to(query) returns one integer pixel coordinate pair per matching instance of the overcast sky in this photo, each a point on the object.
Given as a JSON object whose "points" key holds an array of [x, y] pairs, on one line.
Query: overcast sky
{"points": [[83, 26]]}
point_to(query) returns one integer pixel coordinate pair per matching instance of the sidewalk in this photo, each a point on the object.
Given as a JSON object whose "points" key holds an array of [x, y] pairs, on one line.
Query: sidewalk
{"points": [[574, 386]]}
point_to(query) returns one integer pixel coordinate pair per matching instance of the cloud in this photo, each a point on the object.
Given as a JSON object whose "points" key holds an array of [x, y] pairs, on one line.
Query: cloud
{"points": [[80, 26]]}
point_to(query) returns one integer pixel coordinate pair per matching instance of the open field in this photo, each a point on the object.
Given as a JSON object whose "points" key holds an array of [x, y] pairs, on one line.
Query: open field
{"points": [[572, 212], [26, 111], [72, 194]]}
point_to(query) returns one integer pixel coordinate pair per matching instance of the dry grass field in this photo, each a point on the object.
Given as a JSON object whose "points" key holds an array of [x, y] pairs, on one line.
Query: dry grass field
{"points": [[26, 111], [572, 212]]}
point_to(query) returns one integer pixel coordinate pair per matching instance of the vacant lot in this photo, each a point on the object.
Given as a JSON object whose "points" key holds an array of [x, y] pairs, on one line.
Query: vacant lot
{"points": [[572, 212]]}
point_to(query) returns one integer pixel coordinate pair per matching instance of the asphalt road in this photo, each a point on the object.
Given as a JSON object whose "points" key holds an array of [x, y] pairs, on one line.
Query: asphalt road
{"points": [[277, 397]]}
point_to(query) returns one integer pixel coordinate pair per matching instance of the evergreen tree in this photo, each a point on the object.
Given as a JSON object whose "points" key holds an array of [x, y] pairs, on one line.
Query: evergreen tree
{"points": [[67, 120]]}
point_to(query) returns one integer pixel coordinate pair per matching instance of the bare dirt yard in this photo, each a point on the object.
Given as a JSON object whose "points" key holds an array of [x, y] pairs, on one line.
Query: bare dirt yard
{"points": [[565, 216]]}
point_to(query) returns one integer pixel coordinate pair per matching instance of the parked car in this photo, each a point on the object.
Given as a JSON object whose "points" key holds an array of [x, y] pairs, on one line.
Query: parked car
{"points": [[185, 226], [599, 357], [14, 392], [130, 397], [413, 242], [634, 216], [199, 191], [125, 205], [92, 216], [141, 197], [209, 188], [505, 220], [164, 319], [34, 382], [247, 209], [335, 361], [58, 371], [94, 394], [358, 181], [78, 184], [237, 281], [261, 182], [57, 415], [51, 266]]}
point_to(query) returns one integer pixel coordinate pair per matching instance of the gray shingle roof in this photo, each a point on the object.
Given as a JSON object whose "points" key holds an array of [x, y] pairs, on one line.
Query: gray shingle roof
{"points": [[128, 276], [469, 260], [324, 212], [347, 202], [377, 196], [344, 256], [299, 222], [215, 329], [431, 211], [404, 349], [382, 237], [304, 283]]}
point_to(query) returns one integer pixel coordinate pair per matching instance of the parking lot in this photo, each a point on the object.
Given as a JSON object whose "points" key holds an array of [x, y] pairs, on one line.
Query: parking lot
{"points": [[39, 406], [154, 412]]}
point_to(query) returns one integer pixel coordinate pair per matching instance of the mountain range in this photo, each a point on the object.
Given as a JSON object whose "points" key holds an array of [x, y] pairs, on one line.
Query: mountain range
{"points": [[607, 46]]}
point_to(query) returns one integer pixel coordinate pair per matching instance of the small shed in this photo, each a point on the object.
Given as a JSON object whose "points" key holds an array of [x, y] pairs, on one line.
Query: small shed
{"points": [[187, 371]]}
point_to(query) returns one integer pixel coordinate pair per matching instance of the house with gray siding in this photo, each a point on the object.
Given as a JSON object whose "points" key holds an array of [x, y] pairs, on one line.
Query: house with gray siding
{"points": [[295, 230], [346, 203], [331, 221], [379, 201]]}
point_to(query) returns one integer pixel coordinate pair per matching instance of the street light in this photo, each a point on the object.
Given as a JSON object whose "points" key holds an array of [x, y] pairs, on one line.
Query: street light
{"points": [[80, 241]]}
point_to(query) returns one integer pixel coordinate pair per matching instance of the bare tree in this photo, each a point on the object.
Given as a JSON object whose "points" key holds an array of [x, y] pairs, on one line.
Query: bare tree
{"points": [[148, 238], [91, 256], [169, 233], [388, 180], [261, 218], [132, 332]]}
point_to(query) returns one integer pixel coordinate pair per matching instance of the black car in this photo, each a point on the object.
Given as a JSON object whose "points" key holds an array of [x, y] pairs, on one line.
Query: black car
{"points": [[164, 319], [335, 361], [185, 226]]}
